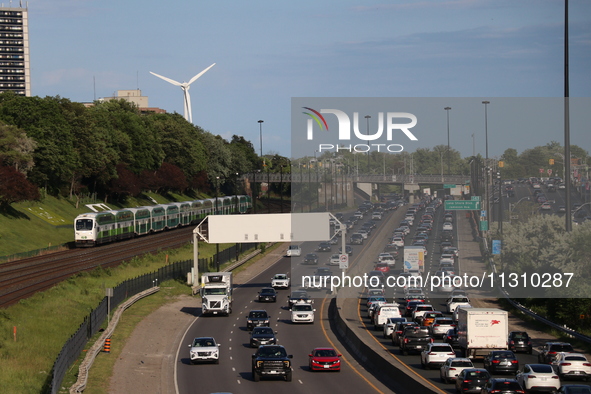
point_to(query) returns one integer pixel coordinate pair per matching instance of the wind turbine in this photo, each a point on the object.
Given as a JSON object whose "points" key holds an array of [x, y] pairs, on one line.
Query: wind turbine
{"points": [[185, 87]]}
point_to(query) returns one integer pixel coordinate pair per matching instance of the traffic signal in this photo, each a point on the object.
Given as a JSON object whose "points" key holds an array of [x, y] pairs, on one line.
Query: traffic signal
{"points": [[501, 164], [551, 162]]}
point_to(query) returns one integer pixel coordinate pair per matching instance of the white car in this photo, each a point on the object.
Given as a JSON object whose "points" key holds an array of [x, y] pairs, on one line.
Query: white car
{"points": [[572, 365], [387, 258], [436, 354], [546, 206], [294, 251], [204, 349], [302, 312], [538, 377], [398, 241], [364, 233], [390, 324], [280, 281], [455, 302], [452, 367], [335, 259], [440, 326], [447, 226]]}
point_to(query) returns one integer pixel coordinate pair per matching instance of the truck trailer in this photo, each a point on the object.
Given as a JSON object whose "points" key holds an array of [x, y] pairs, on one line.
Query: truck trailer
{"points": [[481, 330]]}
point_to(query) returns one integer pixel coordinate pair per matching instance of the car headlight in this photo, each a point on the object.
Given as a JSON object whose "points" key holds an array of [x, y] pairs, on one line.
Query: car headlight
{"points": [[249, 321], [286, 364]]}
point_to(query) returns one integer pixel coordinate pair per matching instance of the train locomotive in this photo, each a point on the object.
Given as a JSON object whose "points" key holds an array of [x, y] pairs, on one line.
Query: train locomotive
{"points": [[95, 228]]}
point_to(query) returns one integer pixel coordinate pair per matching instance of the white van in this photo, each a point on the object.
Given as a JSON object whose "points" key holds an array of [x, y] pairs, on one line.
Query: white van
{"points": [[294, 251], [383, 312]]}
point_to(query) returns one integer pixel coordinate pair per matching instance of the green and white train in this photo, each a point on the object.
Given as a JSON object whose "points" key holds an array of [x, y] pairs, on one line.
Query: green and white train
{"points": [[95, 228]]}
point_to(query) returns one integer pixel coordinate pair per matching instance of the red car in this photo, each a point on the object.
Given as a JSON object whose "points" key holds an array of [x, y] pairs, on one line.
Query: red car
{"points": [[324, 359], [382, 267]]}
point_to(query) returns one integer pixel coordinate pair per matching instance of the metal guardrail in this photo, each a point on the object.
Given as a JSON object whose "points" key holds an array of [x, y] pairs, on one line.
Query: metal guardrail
{"points": [[320, 177]]}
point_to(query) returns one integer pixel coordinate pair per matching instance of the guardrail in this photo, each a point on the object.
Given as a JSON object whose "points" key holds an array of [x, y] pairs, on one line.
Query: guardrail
{"points": [[320, 177]]}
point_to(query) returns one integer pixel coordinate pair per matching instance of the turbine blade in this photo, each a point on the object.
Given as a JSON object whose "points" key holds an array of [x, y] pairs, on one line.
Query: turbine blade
{"points": [[200, 74], [167, 79]]}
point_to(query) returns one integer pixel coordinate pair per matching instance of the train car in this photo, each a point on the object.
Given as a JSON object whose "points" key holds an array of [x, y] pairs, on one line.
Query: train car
{"points": [[95, 228]]}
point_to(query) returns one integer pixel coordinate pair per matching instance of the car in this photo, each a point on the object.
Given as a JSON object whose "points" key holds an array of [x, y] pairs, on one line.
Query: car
{"points": [[410, 306], [383, 267], [501, 361], [572, 365], [398, 241], [504, 386], [311, 258], [376, 216], [348, 250], [447, 226], [436, 354], [319, 280], [324, 359], [356, 239], [457, 311], [280, 281], [376, 292], [364, 233], [428, 318], [324, 247], [451, 337], [538, 377], [574, 389], [204, 349], [257, 318], [399, 330], [452, 367], [546, 206], [472, 380], [414, 339], [335, 259], [271, 360], [294, 251], [440, 326], [383, 312], [390, 325], [454, 302], [519, 341], [446, 236], [302, 312], [375, 279], [262, 336], [550, 349], [443, 245], [452, 250], [387, 258], [298, 296], [561, 186], [267, 294], [374, 299]]}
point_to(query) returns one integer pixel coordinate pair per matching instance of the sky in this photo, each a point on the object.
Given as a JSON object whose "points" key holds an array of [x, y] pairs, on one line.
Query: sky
{"points": [[270, 52]]}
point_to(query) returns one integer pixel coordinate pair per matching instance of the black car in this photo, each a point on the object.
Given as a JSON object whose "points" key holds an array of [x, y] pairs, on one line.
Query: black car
{"points": [[348, 250], [447, 235], [504, 386], [271, 360], [324, 247], [311, 258], [262, 336], [257, 318], [298, 296], [267, 294], [356, 239], [472, 380], [501, 361], [519, 341], [451, 337], [549, 350], [574, 389]]}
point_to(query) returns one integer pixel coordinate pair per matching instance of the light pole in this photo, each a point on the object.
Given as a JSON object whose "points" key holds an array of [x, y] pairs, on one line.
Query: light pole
{"points": [[448, 162], [513, 206], [367, 117], [486, 162], [261, 136]]}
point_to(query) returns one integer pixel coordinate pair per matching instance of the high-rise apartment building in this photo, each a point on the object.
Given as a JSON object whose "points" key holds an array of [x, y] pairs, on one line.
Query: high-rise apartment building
{"points": [[15, 72]]}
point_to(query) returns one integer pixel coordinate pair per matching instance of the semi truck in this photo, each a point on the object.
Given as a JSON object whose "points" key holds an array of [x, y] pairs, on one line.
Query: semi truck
{"points": [[481, 330], [414, 259], [216, 293]]}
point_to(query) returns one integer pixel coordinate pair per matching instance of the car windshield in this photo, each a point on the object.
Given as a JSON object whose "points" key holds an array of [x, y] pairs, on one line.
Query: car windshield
{"points": [[203, 342], [575, 358], [267, 291], [507, 385], [478, 375], [258, 315], [272, 351], [325, 353], [84, 224], [302, 308], [461, 364], [520, 335], [262, 330], [562, 348], [214, 291], [503, 355], [280, 276], [440, 349], [299, 294]]}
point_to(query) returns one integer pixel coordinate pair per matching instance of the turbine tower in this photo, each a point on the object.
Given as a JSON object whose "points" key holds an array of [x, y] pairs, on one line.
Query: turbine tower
{"points": [[185, 87]]}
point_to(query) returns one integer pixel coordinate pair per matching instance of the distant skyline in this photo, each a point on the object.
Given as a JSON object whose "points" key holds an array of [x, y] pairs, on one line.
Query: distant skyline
{"points": [[268, 52]]}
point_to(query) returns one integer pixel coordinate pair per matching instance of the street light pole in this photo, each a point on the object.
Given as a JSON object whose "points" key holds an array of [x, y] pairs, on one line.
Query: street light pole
{"points": [[486, 183], [261, 136], [367, 117], [448, 162]]}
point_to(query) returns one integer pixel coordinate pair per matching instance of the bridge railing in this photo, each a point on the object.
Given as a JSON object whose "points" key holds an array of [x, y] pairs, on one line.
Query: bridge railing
{"points": [[318, 177]]}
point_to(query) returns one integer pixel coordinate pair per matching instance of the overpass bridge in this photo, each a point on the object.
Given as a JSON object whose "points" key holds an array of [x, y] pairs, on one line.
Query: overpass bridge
{"points": [[331, 189]]}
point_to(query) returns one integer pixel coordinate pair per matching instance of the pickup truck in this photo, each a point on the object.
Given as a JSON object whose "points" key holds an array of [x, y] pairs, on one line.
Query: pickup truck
{"points": [[415, 339], [271, 360]]}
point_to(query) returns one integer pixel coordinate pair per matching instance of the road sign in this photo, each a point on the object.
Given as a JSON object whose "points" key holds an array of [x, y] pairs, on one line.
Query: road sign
{"points": [[449, 186], [344, 261], [484, 225], [461, 205], [483, 213], [549, 171], [496, 246], [475, 198], [541, 170]]}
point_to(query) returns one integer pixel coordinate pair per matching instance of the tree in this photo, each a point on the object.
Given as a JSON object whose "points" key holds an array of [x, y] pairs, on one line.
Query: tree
{"points": [[14, 187], [16, 148]]}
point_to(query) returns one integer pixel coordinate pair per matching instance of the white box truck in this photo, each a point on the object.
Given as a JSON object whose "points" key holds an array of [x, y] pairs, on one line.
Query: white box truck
{"points": [[216, 293], [414, 259], [481, 330]]}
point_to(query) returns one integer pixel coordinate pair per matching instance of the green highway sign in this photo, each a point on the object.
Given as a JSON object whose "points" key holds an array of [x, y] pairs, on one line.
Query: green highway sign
{"points": [[484, 225], [475, 198], [462, 205], [449, 186]]}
